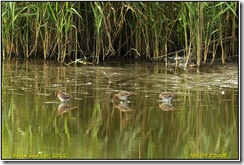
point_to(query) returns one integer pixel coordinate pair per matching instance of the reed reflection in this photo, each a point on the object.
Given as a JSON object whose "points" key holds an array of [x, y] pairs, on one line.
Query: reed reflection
{"points": [[126, 114]]}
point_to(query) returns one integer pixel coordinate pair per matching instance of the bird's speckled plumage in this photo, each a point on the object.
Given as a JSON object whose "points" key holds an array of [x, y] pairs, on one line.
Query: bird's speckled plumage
{"points": [[122, 95], [63, 96], [166, 96]]}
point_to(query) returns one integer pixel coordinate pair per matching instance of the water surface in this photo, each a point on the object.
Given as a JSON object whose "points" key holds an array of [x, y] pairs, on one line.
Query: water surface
{"points": [[200, 123]]}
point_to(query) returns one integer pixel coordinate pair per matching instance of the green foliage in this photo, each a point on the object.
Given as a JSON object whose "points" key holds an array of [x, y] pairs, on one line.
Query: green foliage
{"points": [[99, 30]]}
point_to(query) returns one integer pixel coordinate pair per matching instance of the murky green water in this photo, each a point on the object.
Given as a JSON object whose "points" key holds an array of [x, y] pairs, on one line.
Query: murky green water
{"points": [[201, 123]]}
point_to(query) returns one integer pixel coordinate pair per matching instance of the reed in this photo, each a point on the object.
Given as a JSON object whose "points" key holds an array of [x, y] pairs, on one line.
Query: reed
{"points": [[98, 31]]}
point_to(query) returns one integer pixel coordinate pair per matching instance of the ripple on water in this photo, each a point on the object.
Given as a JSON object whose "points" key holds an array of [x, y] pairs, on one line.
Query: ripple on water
{"points": [[202, 101]]}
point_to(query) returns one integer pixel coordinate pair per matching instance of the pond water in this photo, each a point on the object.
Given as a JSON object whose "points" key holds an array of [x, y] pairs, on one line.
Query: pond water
{"points": [[201, 122]]}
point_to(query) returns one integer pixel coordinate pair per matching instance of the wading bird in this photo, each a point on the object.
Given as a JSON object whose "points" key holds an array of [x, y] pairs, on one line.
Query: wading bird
{"points": [[63, 96]]}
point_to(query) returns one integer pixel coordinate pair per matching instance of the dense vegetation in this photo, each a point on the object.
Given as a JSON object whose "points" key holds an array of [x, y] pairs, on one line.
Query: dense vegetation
{"points": [[95, 31]]}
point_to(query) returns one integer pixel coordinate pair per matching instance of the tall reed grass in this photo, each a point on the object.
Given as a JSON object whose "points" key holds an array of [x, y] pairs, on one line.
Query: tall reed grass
{"points": [[95, 31]]}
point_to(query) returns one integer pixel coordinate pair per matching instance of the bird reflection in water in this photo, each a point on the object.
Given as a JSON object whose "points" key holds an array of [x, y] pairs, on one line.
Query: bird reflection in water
{"points": [[166, 106], [123, 107], [125, 113], [63, 108]]}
